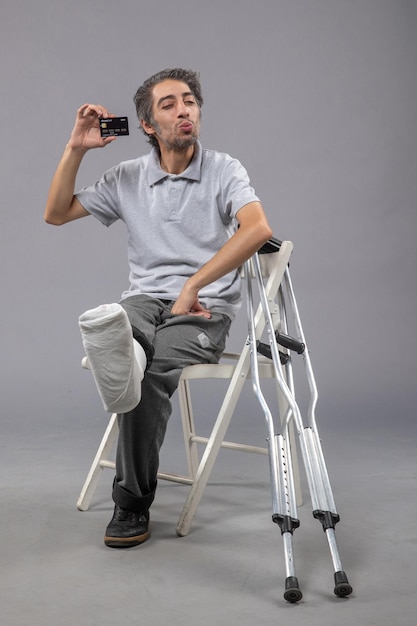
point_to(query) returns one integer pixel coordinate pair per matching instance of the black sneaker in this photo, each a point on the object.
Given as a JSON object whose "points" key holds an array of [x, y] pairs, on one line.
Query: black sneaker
{"points": [[127, 528]]}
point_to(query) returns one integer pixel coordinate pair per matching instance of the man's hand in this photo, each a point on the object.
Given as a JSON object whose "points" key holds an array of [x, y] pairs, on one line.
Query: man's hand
{"points": [[62, 205], [187, 303], [86, 132]]}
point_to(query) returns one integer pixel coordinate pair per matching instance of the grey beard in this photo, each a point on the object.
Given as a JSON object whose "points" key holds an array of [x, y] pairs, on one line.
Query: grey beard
{"points": [[177, 143], [181, 144]]}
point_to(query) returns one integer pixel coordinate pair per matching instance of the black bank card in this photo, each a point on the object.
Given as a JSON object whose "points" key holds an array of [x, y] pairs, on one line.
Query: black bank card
{"points": [[114, 126]]}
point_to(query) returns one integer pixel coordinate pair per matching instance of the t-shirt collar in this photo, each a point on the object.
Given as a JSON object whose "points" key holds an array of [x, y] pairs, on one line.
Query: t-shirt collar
{"points": [[193, 171]]}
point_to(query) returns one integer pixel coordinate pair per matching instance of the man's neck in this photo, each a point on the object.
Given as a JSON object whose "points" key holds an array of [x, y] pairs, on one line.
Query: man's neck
{"points": [[176, 161]]}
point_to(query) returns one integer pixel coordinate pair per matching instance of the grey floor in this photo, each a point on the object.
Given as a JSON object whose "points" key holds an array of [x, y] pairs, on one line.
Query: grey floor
{"points": [[229, 569]]}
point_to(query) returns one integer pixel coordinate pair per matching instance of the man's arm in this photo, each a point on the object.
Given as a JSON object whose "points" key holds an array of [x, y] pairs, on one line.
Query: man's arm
{"points": [[62, 206], [253, 232]]}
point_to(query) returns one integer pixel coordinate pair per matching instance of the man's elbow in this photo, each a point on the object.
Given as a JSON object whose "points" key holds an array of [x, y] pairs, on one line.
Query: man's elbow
{"points": [[52, 219], [268, 233], [264, 233]]}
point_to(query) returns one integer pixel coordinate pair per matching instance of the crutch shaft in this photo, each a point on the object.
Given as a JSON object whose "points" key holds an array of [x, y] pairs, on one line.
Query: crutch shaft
{"points": [[292, 589]]}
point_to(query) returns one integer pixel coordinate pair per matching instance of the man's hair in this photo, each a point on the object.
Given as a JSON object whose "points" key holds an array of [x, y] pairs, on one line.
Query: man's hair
{"points": [[143, 96]]}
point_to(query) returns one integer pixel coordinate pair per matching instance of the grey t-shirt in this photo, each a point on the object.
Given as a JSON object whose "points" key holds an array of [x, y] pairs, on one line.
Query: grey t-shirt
{"points": [[175, 223]]}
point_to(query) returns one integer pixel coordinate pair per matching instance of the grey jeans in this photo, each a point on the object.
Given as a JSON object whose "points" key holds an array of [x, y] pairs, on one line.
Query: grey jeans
{"points": [[171, 342]]}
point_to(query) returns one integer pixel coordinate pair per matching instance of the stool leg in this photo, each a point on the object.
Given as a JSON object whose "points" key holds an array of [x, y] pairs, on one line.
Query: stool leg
{"points": [[213, 445], [100, 461], [188, 427]]}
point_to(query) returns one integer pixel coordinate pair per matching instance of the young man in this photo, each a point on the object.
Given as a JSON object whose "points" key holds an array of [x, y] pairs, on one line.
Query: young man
{"points": [[192, 219]]}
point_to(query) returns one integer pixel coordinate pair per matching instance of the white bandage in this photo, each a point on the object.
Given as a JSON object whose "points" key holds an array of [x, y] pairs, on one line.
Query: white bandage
{"points": [[117, 361]]}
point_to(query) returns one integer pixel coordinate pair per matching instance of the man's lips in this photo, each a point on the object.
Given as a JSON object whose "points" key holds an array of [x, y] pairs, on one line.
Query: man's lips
{"points": [[186, 126]]}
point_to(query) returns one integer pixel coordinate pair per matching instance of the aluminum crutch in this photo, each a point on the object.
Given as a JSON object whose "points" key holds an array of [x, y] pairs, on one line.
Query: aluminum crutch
{"points": [[284, 503], [323, 504], [282, 483]]}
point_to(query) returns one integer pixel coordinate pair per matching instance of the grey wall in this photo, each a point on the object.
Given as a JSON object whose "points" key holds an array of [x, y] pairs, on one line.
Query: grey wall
{"points": [[316, 97]]}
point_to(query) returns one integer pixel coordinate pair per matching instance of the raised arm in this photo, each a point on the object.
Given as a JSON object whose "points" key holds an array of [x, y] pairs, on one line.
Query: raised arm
{"points": [[253, 232], [62, 206]]}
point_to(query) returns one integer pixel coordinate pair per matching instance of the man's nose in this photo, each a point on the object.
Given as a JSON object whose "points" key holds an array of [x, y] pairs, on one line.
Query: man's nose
{"points": [[183, 110]]}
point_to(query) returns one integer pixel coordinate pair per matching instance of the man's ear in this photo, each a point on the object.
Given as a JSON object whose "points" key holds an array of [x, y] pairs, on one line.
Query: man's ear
{"points": [[148, 128]]}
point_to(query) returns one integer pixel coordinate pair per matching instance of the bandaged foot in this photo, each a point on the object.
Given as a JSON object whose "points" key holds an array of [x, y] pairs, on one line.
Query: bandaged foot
{"points": [[117, 361]]}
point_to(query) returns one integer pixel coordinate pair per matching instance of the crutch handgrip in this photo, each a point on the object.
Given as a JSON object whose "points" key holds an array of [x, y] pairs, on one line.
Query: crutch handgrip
{"points": [[290, 343], [265, 350]]}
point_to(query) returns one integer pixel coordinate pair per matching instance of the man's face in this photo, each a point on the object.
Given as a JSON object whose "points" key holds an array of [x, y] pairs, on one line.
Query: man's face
{"points": [[176, 115]]}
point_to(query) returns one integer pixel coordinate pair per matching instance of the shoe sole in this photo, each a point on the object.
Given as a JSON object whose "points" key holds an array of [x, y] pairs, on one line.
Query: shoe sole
{"points": [[126, 542]]}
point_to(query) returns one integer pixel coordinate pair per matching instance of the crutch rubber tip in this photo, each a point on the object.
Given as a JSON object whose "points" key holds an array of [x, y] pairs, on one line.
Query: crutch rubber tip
{"points": [[292, 590], [342, 587]]}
